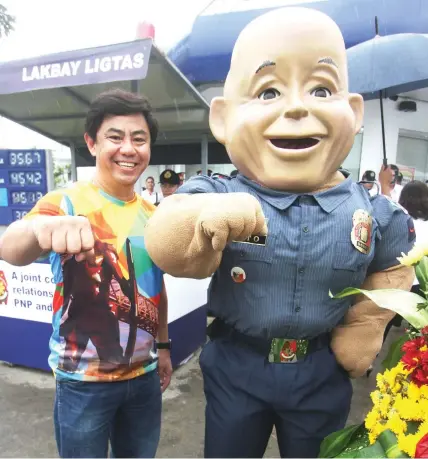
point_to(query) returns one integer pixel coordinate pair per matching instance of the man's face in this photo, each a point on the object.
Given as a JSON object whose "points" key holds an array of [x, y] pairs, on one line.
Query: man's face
{"points": [[122, 150], [168, 189], [287, 117], [150, 184]]}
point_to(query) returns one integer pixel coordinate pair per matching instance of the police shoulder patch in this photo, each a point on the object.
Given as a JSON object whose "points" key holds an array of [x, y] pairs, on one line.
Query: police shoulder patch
{"points": [[396, 204]]}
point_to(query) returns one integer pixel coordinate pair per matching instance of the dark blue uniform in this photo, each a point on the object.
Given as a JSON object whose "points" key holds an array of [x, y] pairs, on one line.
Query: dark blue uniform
{"points": [[281, 290]]}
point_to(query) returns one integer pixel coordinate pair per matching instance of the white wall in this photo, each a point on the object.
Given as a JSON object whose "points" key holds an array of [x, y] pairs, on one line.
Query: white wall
{"points": [[371, 154]]}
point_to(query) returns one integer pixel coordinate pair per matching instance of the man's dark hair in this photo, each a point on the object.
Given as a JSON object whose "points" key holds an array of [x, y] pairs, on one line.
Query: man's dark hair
{"points": [[399, 178], [414, 198], [117, 102], [150, 177]]}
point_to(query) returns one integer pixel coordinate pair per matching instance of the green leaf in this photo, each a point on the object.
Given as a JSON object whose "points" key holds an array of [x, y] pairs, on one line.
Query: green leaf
{"points": [[395, 353], [375, 451], [400, 301], [336, 442], [421, 270], [389, 443]]}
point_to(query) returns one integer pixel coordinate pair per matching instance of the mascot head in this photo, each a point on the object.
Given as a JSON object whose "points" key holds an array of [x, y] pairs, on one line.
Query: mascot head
{"points": [[286, 117]]}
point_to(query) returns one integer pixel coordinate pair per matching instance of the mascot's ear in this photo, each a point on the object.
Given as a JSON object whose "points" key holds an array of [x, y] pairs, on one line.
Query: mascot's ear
{"points": [[357, 104], [217, 118]]}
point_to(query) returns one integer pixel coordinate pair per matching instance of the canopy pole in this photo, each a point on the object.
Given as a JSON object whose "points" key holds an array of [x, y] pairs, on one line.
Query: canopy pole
{"points": [[204, 154], [135, 86], [73, 162]]}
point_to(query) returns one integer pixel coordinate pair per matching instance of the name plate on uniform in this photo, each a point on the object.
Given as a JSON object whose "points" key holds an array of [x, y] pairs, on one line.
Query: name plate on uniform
{"points": [[255, 240]]}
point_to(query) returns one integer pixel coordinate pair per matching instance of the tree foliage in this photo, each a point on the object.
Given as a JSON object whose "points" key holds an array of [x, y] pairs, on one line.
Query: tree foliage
{"points": [[6, 22]]}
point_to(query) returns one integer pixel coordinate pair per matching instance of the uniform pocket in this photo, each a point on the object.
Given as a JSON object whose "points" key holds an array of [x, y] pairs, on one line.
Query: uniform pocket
{"points": [[247, 268], [349, 265]]}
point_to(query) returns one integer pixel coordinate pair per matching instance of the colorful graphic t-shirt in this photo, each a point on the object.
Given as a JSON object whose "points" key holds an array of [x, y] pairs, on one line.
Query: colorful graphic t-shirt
{"points": [[105, 315]]}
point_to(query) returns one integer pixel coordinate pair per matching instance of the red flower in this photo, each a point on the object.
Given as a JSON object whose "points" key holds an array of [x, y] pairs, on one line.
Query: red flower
{"points": [[422, 447], [411, 359], [416, 360], [413, 345], [424, 331]]}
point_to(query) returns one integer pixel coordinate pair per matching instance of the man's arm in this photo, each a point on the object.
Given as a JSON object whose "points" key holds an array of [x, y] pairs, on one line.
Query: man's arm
{"points": [[44, 229], [162, 336], [19, 245], [164, 363]]}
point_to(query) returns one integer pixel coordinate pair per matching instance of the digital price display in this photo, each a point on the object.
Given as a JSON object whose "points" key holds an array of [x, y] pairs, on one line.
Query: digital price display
{"points": [[23, 181]]}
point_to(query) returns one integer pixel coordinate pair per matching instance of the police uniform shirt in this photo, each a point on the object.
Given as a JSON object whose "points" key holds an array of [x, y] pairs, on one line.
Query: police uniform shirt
{"points": [[284, 285]]}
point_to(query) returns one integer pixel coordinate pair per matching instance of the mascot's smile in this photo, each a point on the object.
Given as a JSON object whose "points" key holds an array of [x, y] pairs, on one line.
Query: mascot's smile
{"points": [[295, 144]]}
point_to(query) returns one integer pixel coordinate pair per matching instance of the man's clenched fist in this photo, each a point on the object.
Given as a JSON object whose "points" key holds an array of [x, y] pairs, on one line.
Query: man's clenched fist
{"points": [[235, 217], [65, 235]]}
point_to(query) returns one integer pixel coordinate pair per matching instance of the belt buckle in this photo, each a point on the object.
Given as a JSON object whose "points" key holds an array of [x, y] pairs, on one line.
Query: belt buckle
{"points": [[284, 350]]}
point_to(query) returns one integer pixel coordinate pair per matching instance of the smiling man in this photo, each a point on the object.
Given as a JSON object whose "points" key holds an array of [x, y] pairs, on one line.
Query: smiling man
{"points": [[110, 302], [287, 230]]}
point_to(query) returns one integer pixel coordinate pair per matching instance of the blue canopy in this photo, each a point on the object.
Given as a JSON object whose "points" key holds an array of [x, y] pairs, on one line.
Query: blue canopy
{"points": [[204, 56]]}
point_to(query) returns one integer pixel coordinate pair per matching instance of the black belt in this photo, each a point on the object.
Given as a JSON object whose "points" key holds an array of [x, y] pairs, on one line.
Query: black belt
{"points": [[219, 329]]}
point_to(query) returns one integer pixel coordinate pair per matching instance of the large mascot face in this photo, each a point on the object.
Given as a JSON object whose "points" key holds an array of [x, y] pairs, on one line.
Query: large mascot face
{"points": [[287, 119]]}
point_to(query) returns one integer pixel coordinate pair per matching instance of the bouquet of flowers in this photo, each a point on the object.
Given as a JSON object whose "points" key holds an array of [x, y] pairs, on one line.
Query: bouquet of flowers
{"points": [[397, 424]]}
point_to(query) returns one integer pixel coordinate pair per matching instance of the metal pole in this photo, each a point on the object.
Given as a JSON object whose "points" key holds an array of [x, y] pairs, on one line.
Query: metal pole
{"points": [[204, 154], [385, 161], [73, 162], [382, 122]]}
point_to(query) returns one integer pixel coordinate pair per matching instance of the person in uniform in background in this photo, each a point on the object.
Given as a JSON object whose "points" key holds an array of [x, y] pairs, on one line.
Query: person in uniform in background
{"points": [[182, 176], [369, 182], [169, 182], [149, 193], [278, 238], [390, 180]]}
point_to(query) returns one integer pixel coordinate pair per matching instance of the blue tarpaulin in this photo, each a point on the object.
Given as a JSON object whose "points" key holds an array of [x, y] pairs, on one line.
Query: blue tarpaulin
{"points": [[204, 56]]}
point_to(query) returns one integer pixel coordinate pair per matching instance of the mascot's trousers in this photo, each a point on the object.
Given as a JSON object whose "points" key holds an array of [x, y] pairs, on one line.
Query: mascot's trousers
{"points": [[246, 396]]}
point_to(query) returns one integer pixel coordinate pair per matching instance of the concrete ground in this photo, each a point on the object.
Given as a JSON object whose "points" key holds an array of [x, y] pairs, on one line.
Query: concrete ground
{"points": [[26, 399]]}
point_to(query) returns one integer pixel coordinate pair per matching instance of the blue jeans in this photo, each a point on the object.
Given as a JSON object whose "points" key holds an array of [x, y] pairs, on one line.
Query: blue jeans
{"points": [[88, 415]]}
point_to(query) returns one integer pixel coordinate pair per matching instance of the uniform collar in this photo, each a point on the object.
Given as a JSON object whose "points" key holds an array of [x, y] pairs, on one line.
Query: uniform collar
{"points": [[328, 200]]}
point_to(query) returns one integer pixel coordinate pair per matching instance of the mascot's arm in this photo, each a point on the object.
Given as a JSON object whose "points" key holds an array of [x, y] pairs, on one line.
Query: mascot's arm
{"points": [[187, 234], [358, 341]]}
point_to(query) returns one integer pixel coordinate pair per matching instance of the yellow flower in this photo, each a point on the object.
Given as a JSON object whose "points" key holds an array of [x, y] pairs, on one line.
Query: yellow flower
{"points": [[413, 392], [372, 419], [376, 397], [381, 382], [385, 404], [376, 431], [424, 391], [407, 443], [413, 257], [397, 425]]}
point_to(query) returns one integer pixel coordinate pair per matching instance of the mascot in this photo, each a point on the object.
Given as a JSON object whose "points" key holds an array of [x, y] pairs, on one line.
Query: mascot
{"points": [[278, 237]]}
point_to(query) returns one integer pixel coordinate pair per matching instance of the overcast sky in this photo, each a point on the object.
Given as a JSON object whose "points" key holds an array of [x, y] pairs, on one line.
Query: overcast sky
{"points": [[49, 26]]}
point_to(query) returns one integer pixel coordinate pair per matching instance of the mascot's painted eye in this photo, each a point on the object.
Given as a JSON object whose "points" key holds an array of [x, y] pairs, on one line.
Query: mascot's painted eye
{"points": [[321, 92], [269, 94]]}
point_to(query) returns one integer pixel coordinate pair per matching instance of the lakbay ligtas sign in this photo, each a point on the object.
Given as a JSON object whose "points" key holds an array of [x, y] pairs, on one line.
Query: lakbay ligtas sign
{"points": [[124, 61], [26, 292]]}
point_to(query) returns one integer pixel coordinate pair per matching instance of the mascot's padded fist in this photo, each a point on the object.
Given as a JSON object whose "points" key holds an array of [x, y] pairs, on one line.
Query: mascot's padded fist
{"points": [[196, 243]]}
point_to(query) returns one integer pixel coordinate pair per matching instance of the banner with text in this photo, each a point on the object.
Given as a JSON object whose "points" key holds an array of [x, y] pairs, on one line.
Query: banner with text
{"points": [[120, 62], [26, 292]]}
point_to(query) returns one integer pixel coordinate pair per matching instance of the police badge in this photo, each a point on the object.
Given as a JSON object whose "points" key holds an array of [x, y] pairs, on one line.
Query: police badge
{"points": [[361, 231]]}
